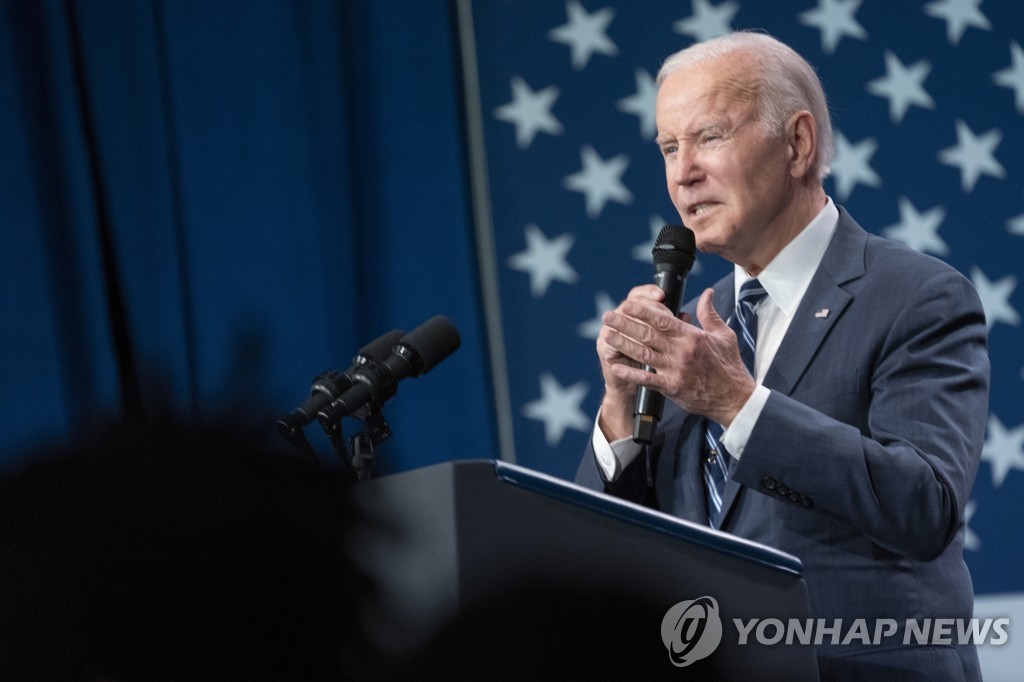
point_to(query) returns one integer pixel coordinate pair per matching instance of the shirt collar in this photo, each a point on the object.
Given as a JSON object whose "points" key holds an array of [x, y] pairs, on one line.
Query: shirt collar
{"points": [[788, 275]]}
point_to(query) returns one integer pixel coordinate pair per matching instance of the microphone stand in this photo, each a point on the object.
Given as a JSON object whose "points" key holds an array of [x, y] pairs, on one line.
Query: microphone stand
{"points": [[363, 443], [360, 464], [362, 456], [335, 435]]}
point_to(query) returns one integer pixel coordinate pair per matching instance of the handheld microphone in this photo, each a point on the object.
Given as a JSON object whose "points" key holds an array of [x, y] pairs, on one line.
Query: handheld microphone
{"points": [[330, 384], [374, 383], [674, 252]]}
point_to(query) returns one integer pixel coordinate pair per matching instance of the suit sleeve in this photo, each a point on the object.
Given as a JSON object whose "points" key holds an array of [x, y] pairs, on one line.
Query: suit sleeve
{"points": [[894, 453], [633, 483]]}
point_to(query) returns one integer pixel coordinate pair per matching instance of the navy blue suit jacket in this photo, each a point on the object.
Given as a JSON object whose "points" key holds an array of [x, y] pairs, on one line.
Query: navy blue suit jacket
{"points": [[864, 457]]}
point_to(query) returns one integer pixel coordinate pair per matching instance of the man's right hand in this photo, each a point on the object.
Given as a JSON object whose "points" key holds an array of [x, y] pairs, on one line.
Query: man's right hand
{"points": [[616, 416]]}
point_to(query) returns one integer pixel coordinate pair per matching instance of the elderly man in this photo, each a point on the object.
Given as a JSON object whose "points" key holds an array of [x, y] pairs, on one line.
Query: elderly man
{"points": [[853, 440]]}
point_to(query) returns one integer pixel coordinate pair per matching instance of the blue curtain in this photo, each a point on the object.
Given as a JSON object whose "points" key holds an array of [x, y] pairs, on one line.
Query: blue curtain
{"points": [[205, 204]]}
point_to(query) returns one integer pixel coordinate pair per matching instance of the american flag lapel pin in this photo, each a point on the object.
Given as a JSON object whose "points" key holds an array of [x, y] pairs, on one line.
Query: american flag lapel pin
{"points": [[822, 313]]}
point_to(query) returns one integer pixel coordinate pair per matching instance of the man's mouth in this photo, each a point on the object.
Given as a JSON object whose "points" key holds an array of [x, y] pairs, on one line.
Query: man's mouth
{"points": [[698, 209]]}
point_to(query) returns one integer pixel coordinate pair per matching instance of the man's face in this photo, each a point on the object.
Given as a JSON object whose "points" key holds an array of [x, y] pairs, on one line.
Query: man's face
{"points": [[729, 181]]}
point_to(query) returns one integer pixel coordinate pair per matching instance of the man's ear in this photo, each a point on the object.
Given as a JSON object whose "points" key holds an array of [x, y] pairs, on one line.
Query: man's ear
{"points": [[802, 143]]}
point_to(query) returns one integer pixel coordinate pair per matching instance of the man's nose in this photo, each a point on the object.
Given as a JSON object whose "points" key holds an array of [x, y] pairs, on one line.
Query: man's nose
{"points": [[686, 169]]}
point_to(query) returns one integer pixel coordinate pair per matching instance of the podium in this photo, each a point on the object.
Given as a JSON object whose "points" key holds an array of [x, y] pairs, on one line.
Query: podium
{"points": [[451, 536]]}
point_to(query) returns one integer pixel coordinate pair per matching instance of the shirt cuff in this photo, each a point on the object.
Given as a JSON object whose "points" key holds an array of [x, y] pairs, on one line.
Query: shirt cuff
{"points": [[735, 438], [613, 457]]}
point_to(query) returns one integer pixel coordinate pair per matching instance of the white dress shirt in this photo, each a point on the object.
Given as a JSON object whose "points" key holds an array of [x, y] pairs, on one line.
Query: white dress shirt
{"points": [[786, 279]]}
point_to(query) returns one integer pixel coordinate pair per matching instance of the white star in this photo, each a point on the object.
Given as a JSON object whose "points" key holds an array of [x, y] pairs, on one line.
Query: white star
{"points": [[559, 408], [1013, 75], [530, 112], [973, 154], [919, 230], [599, 180], [995, 298], [971, 541], [585, 33], [592, 327], [903, 86], [545, 260], [644, 252], [835, 19], [1003, 450], [851, 167], [1016, 225], [707, 21], [641, 104], [958, 15]]}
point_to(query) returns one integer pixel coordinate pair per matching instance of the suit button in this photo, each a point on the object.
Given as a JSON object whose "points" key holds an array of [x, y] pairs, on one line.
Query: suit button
{"points": [[768, 483], [806, 501], [794, 496], [782, 489]]}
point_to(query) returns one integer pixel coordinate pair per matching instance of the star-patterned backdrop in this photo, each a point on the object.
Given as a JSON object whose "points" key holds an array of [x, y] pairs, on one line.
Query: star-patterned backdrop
{"points": [[927, 100]]}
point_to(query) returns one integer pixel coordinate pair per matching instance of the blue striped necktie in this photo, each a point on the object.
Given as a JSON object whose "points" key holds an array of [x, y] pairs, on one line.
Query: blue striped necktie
{"points": [[716, 461]]}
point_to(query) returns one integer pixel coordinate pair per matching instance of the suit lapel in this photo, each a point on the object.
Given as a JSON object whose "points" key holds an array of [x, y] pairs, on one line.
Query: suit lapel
{"points": [[822, 304]]}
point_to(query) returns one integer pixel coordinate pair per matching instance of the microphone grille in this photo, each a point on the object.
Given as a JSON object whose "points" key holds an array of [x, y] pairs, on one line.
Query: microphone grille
{"points": [[432, 341], [675, 247]]}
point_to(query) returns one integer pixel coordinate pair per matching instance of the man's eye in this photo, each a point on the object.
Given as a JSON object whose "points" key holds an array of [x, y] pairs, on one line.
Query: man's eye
{"points": [[668, 149]]}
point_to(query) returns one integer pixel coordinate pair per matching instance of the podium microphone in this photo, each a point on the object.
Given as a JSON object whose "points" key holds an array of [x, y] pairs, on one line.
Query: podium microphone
{"points": [[375, 383], [674, 252], [331, 384]]}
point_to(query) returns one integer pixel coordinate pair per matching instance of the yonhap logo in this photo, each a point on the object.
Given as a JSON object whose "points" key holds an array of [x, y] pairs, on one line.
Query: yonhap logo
{"points": [[691, 630]]}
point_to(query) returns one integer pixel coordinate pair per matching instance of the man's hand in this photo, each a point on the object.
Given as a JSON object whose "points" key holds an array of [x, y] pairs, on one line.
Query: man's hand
{"points": [[699, 369], [616, 417]]}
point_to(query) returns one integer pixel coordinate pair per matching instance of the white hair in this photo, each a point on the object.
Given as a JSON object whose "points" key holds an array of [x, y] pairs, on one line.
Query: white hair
{"points": [[784, 83]]}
